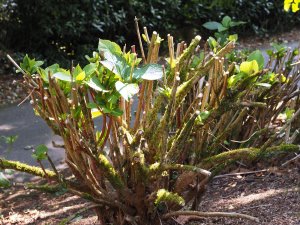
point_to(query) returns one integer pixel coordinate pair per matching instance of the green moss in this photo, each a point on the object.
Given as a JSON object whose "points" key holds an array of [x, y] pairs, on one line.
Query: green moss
{"points": [[154, 167], [157, 168], [22, 167], [152, 121], [165, 196], [189, 51], [181, 138], [248, 155], [47, 188], [182, 91], [110, 172], [276, 150]]}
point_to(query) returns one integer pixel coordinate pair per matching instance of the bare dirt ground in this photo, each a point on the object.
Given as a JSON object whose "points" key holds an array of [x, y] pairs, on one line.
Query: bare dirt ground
{"points": [[259, 42], [272, 195]]}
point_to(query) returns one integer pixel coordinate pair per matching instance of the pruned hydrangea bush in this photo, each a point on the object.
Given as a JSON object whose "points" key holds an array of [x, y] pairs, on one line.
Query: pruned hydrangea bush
{"points": [[167, 125]]}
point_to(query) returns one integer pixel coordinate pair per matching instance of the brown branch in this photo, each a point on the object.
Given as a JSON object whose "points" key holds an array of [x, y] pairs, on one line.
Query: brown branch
{"points": [[209, 214], [240, 173], [107, 132], [140, 40]]}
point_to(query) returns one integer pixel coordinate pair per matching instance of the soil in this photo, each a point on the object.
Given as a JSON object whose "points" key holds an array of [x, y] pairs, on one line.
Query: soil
{"points": [[272, 195], [264, 42]]}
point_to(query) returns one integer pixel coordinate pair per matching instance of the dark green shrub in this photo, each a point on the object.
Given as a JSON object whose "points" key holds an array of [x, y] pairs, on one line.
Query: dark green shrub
{"points": [[59, 30]]}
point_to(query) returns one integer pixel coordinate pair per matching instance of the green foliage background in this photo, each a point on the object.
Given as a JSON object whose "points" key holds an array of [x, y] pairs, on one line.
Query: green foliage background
{"points": [[60, 30]]}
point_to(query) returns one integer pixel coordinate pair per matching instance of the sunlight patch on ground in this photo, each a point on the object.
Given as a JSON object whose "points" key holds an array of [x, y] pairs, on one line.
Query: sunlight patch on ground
{"points": [[68, 199], [62, 210], [6, 127], [33, 215], [246, 199]]}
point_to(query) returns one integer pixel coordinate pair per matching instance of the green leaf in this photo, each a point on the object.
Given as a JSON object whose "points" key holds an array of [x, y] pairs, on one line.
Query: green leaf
{"points": [[116, 112], [197, 59], [144, 37], [109, 49], [53, 68], [234, 79], [109, 46], [40, 152], [257, 55], [44, 73], [148, 72], [166, 91], [213, 44], [4, 182], [296, 52], [90, 69], [78, 73], [233, 37], [111, 66], [63, 76], [94, 58], [236, 23], [127, 90], [212, 25], [202, 117], [279, 47], [113, 98], [226, 21], [249, 67], [289, 113], [94, 83], [10, 139], [221, 28], [30, 65], [92, 105], [119, 67]]}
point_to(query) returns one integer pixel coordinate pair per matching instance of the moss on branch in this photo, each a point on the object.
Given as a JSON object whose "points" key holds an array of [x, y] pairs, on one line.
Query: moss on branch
{"points": [[247, 154], [110, 172], [159, 168], [46, 187], [22, 167]]}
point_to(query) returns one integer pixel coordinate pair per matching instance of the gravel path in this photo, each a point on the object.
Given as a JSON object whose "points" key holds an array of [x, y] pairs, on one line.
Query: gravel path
{"points": [[31, 131]]}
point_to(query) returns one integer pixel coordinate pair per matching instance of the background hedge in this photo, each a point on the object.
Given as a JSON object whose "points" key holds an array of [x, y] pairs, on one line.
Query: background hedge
{"points": [[59, 29]]}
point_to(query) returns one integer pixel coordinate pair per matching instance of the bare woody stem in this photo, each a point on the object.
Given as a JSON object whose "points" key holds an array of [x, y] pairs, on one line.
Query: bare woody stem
{"points": [[140, 39], [209, 214]]}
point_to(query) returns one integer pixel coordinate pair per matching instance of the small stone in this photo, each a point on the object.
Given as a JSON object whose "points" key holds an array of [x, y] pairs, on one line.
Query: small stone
{"points": [[28, 147]]}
